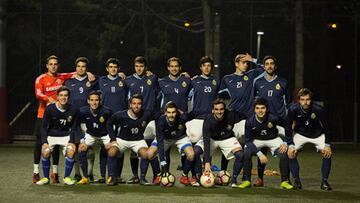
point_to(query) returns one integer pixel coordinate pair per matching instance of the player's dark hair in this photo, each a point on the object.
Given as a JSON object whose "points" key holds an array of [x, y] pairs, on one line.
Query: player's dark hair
{"points": [[305, 91], [93, 92], [261, 101], [270, 57], [113, 61], [141, 59], [239, 57], [82, 59], [51, 57], [170, 104], [63, 88], [173, 59], [218, 101], [136, 96], [206, 59]]}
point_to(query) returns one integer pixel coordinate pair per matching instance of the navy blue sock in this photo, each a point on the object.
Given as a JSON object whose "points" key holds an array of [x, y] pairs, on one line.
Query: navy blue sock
{"points": [[112, 166], [197, 161], [187, 166], [238, 164], [83, 163], [119, 164], [144, 165], [167, 153], [103, 161], [247, 164], [46, 166], [134, 162], [295, 168], [325, 168], [69, 163], [283, 165], [155, 165], [224, 162]]}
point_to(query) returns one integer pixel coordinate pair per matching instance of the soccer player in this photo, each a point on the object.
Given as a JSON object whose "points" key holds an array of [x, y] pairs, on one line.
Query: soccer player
{"points": [[57, 128], [46, 86], [275, 90], [131, 123], [261, 131], [94, 117], [171, 130], [218, 133], [147, 86], [114, 96], [175, 87], [310, 126]]}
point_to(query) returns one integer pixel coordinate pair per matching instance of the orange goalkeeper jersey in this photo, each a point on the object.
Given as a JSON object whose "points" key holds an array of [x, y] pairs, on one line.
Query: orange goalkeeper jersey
{"points": [[46, 86]]}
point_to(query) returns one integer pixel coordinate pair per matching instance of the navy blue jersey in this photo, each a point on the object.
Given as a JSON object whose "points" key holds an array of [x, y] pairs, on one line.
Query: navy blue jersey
{"points": [[148, 87], [58, 122], [240, 89], [217, 130], [204, 91], [311, 123], [95, 123], [130, 129], [275, 92], [165, 131], [265, 130], [79, 90], [176, 91], [113, 93]]}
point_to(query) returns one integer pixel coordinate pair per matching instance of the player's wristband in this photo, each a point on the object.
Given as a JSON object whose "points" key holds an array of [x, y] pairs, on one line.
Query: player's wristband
{"points": [[259, 153], [290, 146]]}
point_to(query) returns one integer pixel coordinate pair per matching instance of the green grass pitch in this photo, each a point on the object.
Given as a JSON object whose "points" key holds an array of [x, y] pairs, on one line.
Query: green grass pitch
{"points": [[16, 170]]}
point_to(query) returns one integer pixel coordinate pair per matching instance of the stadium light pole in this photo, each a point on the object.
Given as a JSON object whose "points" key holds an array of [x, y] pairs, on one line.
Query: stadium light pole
{"points": [[259, 35]]}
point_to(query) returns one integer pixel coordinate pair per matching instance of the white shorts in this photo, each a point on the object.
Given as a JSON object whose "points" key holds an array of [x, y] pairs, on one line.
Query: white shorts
{"points": [[90, 140], [194, 129], [281, 131], [181, 144], [135, 146], [239, 130], [300, 140], [272, 144], [150, 131], [61, 141], [226, 146]]}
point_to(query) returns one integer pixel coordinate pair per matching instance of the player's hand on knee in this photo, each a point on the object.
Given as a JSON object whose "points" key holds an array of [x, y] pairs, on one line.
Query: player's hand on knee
{"points": [[283, 148], [111, 144], [292, 152], [83, 147], [70, 150], [45, 150], [112, 151], [207, 168], [263, 159], [326, 152]]}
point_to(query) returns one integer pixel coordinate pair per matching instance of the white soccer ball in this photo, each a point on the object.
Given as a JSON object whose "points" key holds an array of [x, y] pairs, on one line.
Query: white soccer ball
{"points": [[223, 178], [207, 180], [167, 180]]}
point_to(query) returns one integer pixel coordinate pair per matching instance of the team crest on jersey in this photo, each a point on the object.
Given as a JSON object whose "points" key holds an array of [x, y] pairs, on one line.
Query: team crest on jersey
{"points": [[229, 127], [183, 84], [313, 116], [180, 127], [143, 124], [69, 119], [246, 78], [277, 86], [270, 125], [149, 82], [213, 82], [88, 84], [120, 84], [101, 119]]}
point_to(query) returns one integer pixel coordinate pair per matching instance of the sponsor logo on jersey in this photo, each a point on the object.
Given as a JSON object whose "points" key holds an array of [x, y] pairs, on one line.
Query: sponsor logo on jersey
{"points": [[53, 88], [149, 82], [69, 118], [270, 125], [246, 78], [183, 84], [213, 82], [101, 119], [277, 86], [313, 116], [143, 124], [88, 84], [120, 84]]}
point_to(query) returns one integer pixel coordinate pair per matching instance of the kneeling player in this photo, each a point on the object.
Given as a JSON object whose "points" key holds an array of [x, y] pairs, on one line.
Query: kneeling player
{"points": [[261, 131], [58, 128], [310, 127], [218, 133], [171, 130], [94, 117], [132, 124]]}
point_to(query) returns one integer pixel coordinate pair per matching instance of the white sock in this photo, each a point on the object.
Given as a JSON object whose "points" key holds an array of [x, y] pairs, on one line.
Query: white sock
{"points": [[55, 169], [36, 168]]}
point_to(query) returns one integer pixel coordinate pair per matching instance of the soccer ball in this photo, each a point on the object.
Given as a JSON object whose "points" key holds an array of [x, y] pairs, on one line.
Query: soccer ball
{"points": [[223, 178], [207, 180], [167, 180]]}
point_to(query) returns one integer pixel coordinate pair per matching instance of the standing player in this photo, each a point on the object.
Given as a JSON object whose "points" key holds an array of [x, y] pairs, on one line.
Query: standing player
{"points": [[171, 130], [148, 88], [94, 117], [46, 86], [261, 131], [114, 96], [275, 90], [310, 126], [218, 133], [132, 124], [57, 128]]}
